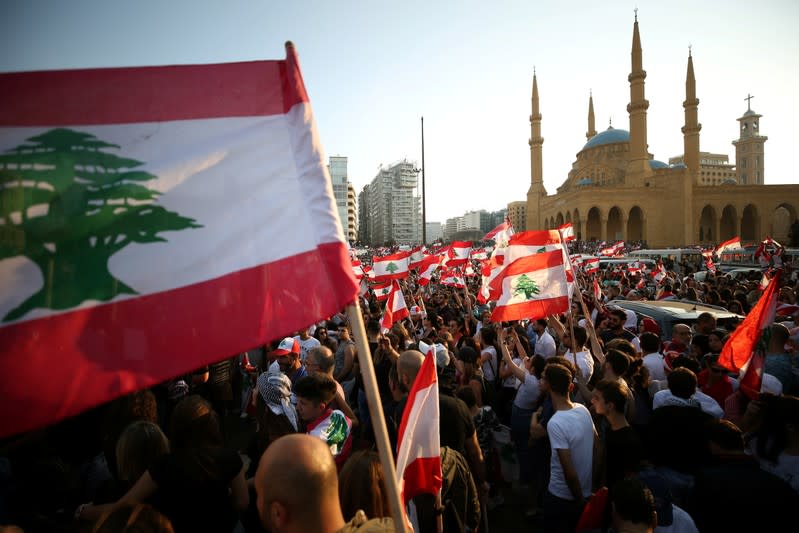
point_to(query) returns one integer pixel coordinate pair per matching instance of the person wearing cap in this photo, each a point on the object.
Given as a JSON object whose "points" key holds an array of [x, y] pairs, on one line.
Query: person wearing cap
{"points": [[287, 356]]}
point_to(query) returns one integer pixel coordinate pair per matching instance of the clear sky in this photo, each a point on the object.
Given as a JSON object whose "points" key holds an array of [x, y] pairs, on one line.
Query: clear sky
{"points": [[373, 68]]}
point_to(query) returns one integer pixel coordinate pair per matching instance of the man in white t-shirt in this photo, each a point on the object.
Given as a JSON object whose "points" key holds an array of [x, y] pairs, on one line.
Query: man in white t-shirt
{"points": [[571, 435], [653, 359], [307, 343], [545, 343], [576, 345]]}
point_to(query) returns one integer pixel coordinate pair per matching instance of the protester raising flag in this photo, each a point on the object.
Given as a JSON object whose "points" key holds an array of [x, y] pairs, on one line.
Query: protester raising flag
{"points": [[392, 266], [418, 442], [396, 309], [732, 244], [739, 353], [453, 278], [567, 232], [532, 287], [157, 219]]}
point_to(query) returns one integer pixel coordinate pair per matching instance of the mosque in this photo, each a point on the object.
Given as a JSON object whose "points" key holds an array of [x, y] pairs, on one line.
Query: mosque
{"points": [[616, 190]]}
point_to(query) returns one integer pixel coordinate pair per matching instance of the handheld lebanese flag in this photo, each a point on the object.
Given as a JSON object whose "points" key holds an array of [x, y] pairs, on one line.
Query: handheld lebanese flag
{"points": [[381, 290], [739, 350], [532, 287], [732, 244], [597, 291], [427, 269], [139, 220], [567, 232], [417, 254], [659, 272], [396, 309], [418, 441], [479, 254], [357, 269], [453, 278], [501, 232], [591, 265], [459, 253], [392, 266]]}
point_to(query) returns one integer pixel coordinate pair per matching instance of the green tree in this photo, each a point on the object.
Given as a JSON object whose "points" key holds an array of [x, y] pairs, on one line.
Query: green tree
{"points": [[526, 286], [391, 268], [68, 204]]}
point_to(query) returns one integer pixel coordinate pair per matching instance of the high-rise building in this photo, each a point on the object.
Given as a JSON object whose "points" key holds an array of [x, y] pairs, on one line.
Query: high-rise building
{"points": [[391, 207], [352, 214], [337, 167], [434, 231], [517, 213]]}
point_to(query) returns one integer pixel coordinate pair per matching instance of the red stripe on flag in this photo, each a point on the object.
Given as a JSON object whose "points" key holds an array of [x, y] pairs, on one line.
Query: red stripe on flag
{"points": [[151, 94], [533, 309], [93, 355], [421, 473]]}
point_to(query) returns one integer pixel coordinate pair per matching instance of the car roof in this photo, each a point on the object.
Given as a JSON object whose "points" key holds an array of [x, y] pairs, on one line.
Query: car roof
{"points": [[669, 312], [679, 309]]}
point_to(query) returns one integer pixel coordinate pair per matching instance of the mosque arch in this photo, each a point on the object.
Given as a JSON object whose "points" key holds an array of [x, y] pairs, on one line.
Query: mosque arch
{"points": [[728, 227], [546, 223], [635, 224], [707, 225], [593, 224], [577, 223], [615, 230], [559, 220], [568, 216], [552, 223], [750, 224], [781, 219]]}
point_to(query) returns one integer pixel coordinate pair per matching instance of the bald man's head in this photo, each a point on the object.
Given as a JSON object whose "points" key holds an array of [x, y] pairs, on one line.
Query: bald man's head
{"points": [[296, 481], [408, 366]]}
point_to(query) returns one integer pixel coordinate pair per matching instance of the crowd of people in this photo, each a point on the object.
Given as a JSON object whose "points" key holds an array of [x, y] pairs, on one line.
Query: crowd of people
{"points": [[612, 426]]}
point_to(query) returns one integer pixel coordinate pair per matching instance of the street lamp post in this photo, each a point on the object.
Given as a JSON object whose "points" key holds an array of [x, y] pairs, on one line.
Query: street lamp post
{"points": [[424, 214], [424, 217]]}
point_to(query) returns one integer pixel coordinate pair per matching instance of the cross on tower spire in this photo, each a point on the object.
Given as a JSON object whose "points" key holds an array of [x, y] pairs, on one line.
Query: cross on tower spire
{"points": [[749, 102]]}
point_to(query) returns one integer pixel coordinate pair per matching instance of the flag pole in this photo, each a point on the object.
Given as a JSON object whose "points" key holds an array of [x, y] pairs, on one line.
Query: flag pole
{"points": [[376, 412], [597, 349]]}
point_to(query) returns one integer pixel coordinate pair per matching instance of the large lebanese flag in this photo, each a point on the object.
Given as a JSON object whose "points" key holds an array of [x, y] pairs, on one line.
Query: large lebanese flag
{"points": [[532, 287], [418, 441], [156, 219], [739, 352], [396, 309], [392, 266]]}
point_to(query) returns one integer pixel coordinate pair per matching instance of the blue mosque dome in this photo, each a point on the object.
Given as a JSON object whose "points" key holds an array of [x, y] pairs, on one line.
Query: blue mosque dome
{"points": [[678, 165], [609, 136], [654, 164]]}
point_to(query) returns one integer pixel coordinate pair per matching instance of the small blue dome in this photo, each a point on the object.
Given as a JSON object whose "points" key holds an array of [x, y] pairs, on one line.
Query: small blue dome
{"points": [[609, 136], [749, 113], [678, 165], [654, 164]]}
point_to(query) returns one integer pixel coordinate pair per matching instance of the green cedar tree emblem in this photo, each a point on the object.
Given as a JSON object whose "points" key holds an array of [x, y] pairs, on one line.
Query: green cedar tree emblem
{"points": [[526, 286], [68, 204], [391, 268], [541, 250], [385, 290]]}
